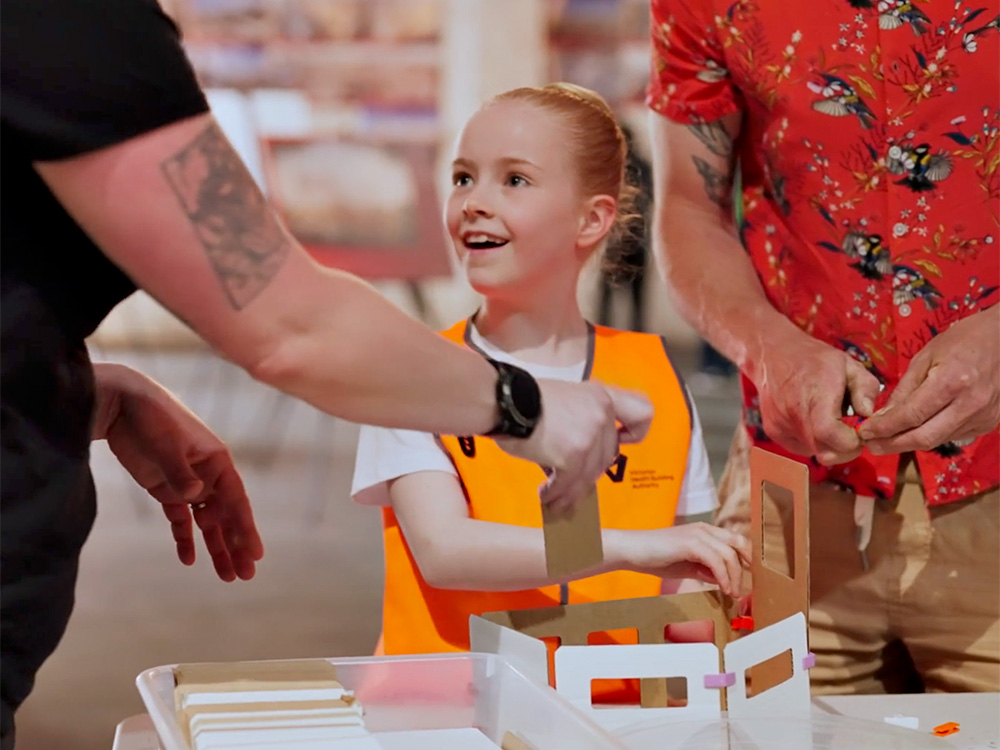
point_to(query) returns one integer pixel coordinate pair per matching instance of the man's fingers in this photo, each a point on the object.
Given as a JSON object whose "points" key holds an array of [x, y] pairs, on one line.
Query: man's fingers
{"points": [[559, 491], [836, 439], [634, 411], [942, 427], [863, 387], [242, 529], [832, 458], [244, 564], [565, 487], [217, 550], [903, 415], [185, 547], [182, 530], [207, 517], [825, 416], [601, 454], [611, 447], [916, 373], [878, 427]]}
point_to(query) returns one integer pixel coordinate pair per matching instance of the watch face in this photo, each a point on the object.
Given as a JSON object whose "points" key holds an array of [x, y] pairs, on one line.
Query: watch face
{"points": [[527, 399]]}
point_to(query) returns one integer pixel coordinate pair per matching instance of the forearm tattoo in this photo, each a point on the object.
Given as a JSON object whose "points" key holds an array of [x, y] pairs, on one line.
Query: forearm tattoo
{"points": [[715, 137], [718, 186], [243, 240]]}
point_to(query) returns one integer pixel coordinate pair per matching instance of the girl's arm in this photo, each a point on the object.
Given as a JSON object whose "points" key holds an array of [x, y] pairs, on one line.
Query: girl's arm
{"points": [[454, 551]]}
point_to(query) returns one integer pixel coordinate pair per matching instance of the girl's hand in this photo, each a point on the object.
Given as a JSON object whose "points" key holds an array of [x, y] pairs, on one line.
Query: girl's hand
{"points": [[697, 550]]}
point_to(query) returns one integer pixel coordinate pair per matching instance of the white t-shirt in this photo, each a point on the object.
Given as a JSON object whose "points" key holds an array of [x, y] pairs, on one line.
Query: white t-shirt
{"points": [[385, 454]]}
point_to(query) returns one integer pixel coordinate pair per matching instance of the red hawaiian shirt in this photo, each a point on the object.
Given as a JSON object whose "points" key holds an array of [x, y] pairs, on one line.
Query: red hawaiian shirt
{"points": [[870, 163]]}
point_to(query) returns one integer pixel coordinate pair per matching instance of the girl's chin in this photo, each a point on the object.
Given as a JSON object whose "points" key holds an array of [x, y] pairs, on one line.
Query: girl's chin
{"points": [[490, 284]]}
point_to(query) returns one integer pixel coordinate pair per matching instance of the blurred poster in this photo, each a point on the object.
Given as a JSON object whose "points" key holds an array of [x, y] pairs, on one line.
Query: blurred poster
{"points": [[368, 207]]}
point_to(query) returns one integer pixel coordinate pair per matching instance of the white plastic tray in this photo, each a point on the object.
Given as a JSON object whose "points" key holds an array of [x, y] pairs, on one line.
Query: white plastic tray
{"points": [[433, 692]]}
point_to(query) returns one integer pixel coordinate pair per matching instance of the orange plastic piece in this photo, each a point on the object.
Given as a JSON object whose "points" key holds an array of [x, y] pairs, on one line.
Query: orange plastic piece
{"points": [[742, 623], [943, 730]]}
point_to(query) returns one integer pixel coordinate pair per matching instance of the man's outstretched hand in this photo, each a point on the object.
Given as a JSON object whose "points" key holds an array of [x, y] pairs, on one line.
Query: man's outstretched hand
{"points": [[182, 464], [578, 436]]}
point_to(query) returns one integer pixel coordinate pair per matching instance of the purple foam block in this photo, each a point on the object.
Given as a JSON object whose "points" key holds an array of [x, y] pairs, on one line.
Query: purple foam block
{"points": [[723, 680]]}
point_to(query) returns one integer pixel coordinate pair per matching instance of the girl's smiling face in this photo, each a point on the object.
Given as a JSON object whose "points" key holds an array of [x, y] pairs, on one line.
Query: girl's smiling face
{"points": [[515, 213]]}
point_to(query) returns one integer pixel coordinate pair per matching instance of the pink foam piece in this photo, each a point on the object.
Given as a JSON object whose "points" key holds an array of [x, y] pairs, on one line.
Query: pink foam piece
{"points": [[809, 660], [723, 680]]}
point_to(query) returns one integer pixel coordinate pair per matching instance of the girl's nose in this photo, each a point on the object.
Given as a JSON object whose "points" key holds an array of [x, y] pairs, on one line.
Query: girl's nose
{"points": [[475, 206]]}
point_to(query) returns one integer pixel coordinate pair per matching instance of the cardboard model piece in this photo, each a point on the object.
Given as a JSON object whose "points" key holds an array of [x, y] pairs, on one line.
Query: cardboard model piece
{"points": [[573, 538], [236, 703], [779, 493]]}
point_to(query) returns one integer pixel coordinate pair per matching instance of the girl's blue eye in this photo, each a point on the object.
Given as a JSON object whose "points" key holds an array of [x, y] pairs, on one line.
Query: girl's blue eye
{"points": [[461, 179], [516, 180]]}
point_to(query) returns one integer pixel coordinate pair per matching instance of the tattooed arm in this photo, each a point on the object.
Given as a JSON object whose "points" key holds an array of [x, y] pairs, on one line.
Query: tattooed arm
{"points": [[707, 270], [176, 210], [179, 213], [716, 173], [716, 289]]}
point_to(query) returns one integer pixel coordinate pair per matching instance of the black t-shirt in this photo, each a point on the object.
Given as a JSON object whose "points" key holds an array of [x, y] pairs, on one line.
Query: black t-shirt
{"points": [[77, 75]]}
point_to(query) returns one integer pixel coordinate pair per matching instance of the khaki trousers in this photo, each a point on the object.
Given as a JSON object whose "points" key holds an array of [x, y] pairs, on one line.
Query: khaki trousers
{"points": [[925, 615]]}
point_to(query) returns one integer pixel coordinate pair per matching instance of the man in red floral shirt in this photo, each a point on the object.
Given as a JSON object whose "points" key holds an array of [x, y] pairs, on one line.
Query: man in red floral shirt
{"points": [[860, 266]]}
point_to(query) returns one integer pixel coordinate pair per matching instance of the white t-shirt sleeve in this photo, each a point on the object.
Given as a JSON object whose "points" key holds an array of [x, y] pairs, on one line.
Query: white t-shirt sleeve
{"points": [[385, 454], [697, 495]]}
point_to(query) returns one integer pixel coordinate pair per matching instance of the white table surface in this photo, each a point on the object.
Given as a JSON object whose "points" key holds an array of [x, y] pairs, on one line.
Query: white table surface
{"points": [[977, 714]]}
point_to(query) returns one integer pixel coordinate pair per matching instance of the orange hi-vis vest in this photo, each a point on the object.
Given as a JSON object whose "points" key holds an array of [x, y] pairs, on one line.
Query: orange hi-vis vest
{"points": [[639, 491]]}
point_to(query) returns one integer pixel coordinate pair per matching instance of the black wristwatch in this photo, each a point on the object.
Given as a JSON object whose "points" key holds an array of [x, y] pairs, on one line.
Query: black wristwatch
{"points": [[519, 401]]}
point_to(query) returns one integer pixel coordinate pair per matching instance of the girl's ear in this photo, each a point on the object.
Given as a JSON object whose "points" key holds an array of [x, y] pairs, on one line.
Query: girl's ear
{"points": [[597, 219]]}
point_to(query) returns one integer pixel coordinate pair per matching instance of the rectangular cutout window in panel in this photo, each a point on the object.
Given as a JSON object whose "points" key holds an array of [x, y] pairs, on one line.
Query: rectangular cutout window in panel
{"points": [[778, 508], [625, 691], [677, 692], [619, 637], [769, 673]]}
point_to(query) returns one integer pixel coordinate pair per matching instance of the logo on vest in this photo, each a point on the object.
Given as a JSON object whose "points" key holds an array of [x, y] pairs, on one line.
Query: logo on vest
{"points": [[468, 446], [616, 472]]}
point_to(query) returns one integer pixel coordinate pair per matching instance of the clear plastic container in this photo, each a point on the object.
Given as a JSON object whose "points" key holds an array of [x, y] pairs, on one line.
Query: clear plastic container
{"points": [[818, 731], [405, 695]]}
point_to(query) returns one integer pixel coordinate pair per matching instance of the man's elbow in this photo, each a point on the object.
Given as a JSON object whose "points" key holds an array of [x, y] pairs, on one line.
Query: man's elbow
{"points": [[280, 363]]}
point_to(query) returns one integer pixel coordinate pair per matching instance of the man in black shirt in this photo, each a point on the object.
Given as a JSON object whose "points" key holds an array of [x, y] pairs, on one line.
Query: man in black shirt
{"points": [[115, 176]]}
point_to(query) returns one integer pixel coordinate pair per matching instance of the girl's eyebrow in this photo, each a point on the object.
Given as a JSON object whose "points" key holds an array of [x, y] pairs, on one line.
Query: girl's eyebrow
{"points": [[507, 161], [511, 161]]}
